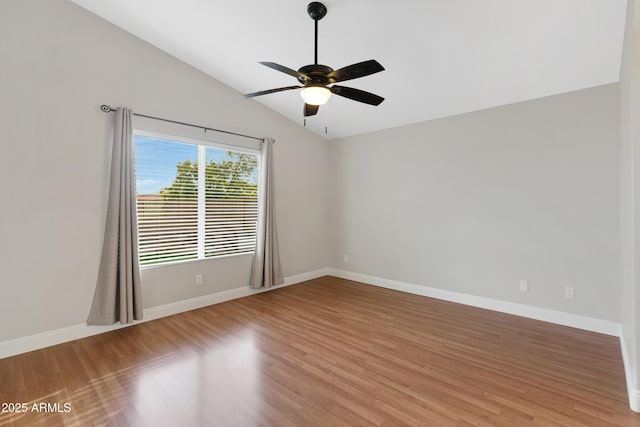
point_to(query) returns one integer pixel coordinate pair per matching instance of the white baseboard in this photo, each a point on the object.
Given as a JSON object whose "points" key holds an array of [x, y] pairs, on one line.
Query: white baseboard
{"points": [[632, 387], [567, 319], [59, 336], [634, 400], [298, 278]]}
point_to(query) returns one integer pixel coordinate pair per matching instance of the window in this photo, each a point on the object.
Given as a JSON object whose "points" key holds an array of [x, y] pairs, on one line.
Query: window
{"points": [[194, 200]]}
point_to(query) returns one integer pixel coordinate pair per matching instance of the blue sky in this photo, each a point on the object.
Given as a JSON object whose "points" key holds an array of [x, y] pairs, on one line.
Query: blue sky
{"points": [[156, 161]]}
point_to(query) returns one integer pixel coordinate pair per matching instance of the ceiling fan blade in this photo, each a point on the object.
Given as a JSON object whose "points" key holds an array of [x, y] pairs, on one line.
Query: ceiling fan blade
{"points": [[357, 95], [266, 92], [355, 71], [310, 110], [283, 69]]}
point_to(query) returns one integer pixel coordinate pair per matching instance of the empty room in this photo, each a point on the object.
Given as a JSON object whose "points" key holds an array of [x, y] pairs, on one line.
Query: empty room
{"points": [[336, 213]]}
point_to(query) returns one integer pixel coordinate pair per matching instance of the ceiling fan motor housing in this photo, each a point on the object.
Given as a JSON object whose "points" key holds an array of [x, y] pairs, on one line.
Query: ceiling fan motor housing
{"points": [[318, 74]]}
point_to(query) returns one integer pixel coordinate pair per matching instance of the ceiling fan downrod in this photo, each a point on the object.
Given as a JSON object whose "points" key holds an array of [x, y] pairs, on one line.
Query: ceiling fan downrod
{"points": [[316, 11]]}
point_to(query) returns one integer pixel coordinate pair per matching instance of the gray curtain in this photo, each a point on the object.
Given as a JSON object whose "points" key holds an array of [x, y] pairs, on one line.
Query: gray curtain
{"points": [[118, 296], [266, 270]]}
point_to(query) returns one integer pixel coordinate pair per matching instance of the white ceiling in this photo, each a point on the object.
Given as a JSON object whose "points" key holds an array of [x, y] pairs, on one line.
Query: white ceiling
{"points": [[442, 57]]}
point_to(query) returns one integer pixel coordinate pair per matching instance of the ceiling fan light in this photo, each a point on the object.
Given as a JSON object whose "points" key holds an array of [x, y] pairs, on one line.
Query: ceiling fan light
{"points": [[315, 95]]}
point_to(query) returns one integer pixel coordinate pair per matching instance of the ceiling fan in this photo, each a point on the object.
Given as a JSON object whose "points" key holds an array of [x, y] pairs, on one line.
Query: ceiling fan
{"points": [[316, 78]]}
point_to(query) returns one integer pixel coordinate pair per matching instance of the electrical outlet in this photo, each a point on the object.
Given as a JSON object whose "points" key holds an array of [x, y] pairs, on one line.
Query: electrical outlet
{"points": [[345, 257], [569, 292], [524, 286], [199, 279]]}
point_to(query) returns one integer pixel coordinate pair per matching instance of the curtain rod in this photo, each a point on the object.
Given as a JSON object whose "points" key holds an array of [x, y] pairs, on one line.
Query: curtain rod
{"points": [[107, 109]]}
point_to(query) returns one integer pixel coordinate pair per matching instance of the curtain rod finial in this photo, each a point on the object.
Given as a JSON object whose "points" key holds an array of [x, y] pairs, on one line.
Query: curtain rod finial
{"points": [[106, 109]]}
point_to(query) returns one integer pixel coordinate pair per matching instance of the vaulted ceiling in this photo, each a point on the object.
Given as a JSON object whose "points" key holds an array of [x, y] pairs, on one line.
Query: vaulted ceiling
{"points": [[442, 57]]}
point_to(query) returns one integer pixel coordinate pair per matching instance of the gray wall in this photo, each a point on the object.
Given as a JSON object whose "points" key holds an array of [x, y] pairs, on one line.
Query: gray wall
{"points": [[630, 192], [475, 203], [59, 63]]}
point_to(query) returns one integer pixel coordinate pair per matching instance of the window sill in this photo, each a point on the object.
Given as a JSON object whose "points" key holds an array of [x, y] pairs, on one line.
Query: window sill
{"points": [[194, 261]]}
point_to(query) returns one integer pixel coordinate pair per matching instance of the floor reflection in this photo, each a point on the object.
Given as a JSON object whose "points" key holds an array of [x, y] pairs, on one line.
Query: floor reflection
{"points": [[218, 386]]}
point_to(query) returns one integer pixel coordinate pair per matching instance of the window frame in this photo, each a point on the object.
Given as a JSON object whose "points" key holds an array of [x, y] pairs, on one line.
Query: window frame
{"points": [[206, 143]]}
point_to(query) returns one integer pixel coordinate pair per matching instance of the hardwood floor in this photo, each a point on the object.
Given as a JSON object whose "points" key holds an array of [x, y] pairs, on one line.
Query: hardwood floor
{"points": [[328, 352]]}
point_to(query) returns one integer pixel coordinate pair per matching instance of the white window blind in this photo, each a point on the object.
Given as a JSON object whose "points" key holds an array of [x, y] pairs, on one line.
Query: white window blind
{"points": [[194, 201]]}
